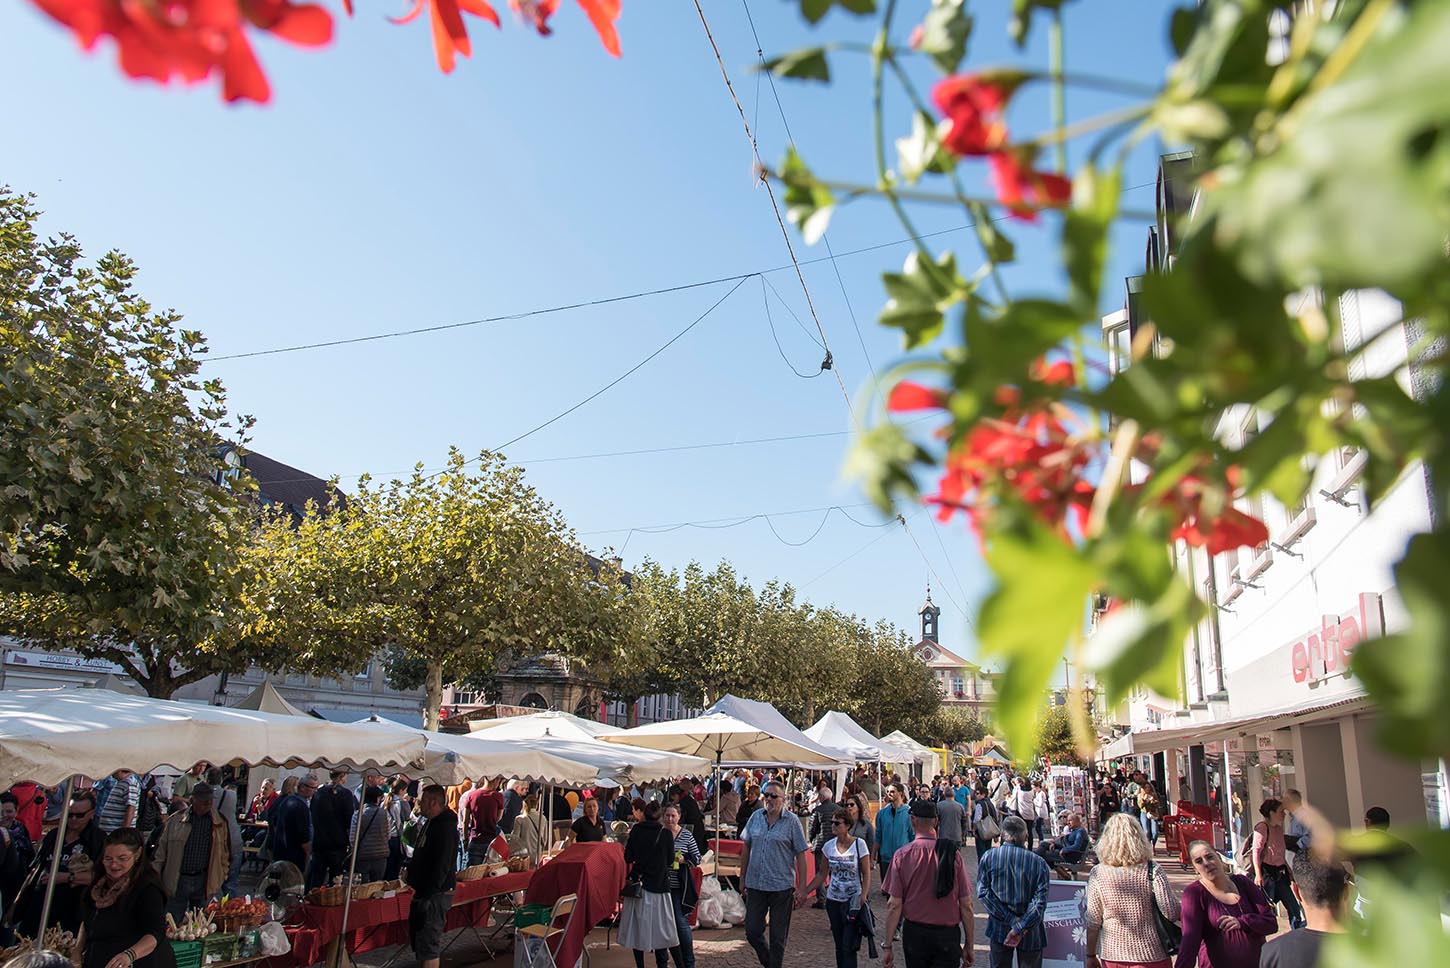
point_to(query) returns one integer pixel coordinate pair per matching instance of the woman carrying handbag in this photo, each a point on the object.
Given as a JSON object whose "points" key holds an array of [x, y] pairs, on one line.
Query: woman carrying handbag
{"points": [[647, 915]]}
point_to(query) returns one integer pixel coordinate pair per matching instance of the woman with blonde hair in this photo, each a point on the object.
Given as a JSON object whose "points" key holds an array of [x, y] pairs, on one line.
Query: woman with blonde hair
{"points": [[1124, 886]]}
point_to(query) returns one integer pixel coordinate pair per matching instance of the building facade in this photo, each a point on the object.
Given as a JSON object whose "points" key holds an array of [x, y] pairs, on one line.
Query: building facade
{"points": [[1267, 702], [962, 684]]}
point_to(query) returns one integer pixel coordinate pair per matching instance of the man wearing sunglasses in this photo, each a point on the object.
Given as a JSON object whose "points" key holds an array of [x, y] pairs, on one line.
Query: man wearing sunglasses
{"points": [[80, 852], [772, 874]]}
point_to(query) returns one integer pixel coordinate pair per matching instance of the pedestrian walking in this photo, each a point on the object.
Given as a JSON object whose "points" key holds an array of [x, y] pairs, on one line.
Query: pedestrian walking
{"points": [[1042, 810], [931, 899], [370, 835], [861, 828], [951, 819], [893, 830], [1270, 864], [432, 874], [772, 874], [820, 831], [1012, 883], [682, 885], [1122, 890], [1225, 915], [847, 858], [1150, 807], [986, 821], [1024, 806], [647, 919]]}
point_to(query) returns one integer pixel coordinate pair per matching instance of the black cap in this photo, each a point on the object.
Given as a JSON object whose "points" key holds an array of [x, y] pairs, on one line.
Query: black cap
{"points": [[925, 809]]}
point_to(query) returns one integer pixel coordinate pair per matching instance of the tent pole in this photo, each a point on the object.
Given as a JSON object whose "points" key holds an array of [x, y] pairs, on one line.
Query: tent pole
{"points": [[70, 790], [351, 873], [718, 819]]}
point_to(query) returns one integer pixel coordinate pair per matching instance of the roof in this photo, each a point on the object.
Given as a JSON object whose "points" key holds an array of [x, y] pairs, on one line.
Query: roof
{"points": [[414, 720], [284, 485], [943, 658]]}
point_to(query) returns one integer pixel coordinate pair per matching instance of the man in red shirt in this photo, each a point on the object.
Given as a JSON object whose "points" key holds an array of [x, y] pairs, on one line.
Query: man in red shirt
{"points": [[928, 878], [481, 809]]}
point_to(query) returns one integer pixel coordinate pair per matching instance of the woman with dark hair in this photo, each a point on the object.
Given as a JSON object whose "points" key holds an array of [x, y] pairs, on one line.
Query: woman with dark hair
{"points": [[647, 921], [125, 910], [1225, 915], [983, 809], [848, 862], [1270, 864]]}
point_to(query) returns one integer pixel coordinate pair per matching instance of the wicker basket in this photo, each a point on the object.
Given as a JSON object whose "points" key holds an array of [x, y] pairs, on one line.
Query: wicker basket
{"points": [[363, 892], [328, 896], [521, 863], [233, 923], [475, 873]]}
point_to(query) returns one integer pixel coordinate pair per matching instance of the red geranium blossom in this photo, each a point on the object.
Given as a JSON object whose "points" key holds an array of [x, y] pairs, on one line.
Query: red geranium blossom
{"points": [[974, 103], [906, 396], [602, 14], [1023, 189], [1229, 528], [189, 39]]}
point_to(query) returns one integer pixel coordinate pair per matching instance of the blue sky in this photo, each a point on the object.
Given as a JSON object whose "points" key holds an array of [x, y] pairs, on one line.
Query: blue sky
{"points": [[376, 194]]}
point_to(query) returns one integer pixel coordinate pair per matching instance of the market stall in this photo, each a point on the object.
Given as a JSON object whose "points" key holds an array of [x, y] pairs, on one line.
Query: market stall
{"points": [[593, 872]]}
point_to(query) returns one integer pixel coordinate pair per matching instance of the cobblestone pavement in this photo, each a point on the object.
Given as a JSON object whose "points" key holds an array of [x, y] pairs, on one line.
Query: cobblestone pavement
{"points": [[810, 944]]}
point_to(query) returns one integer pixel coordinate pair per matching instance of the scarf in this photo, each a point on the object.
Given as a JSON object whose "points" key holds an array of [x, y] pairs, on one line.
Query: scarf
{"points": [[946, 866], [108, 891]]}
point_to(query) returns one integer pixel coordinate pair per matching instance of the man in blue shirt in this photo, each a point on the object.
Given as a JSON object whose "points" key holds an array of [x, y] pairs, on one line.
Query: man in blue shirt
{"points": [[893, 830], [1012, 883], [772, 874]]}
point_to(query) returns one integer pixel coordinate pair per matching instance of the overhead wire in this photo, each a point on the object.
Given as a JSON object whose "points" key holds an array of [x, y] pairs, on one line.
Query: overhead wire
{"points": [[604, 300], [770, 321], [940, 581], [779, 218], [825, 236], [899, 519]]}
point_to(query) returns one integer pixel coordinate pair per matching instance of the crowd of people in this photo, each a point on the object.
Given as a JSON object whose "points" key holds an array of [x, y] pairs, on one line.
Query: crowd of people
{"points": [[135, 849]]}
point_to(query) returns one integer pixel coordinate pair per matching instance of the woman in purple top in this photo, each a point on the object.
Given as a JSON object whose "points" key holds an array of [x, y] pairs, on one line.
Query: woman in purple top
{"points": [[1226, 917]]}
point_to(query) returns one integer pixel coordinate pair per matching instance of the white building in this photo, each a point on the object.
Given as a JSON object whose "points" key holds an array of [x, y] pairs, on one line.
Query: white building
{"points": [[1267, 701]]}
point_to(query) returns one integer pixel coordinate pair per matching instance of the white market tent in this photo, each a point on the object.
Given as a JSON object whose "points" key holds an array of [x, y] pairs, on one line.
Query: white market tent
{"points": [[449, 758], [924, 755], [47, 735], [536, 725], [766, 717], [265, 698], [839, 731]]}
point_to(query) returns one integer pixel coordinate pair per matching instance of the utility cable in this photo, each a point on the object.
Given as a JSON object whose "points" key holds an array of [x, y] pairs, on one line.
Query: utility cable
{"points": [[940, 582], [775, 205], [825, 236], [899, 519], [623, 376], [788, 308], [719, 524], [606, 300], [770, 321]]}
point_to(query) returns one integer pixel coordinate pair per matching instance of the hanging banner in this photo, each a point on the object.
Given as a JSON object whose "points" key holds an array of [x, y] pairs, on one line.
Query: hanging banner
{"points": [[1066, 923]]}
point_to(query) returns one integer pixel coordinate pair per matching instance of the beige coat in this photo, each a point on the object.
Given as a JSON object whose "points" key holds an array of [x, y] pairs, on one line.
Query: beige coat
{"points": [[173, 841]]}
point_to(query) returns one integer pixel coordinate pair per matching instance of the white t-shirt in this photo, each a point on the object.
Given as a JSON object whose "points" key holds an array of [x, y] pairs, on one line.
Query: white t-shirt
{"points": [[845, 867]]}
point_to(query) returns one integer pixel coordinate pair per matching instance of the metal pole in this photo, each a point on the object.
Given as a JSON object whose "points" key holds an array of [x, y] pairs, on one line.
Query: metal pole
{"points": [[351, 871], [718, 819], [55, 860]]}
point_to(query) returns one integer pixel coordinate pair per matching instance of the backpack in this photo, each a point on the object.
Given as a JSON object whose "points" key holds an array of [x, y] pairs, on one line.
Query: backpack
{"points": [[1245, 856]]}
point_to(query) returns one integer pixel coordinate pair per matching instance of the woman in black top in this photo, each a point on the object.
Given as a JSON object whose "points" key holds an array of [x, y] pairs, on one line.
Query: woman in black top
{"points": [[588, 829], [124, 912], [647, 922]]}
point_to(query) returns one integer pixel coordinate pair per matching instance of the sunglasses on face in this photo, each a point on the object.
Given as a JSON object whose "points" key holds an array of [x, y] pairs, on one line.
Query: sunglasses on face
{"points": [[771, 796]]}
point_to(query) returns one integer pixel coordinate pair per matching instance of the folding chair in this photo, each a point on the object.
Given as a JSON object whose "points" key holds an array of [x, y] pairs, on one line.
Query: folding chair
{"points": [[540, 953]]}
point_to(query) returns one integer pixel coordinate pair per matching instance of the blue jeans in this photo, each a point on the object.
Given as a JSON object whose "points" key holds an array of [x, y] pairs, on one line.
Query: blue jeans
{"points": [[684, 953], [1276, 886], [843, 929], [1150, 828]]}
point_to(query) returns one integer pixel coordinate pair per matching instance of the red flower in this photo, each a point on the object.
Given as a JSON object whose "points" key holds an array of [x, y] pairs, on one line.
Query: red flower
{"points": [[602, 14], [189, 39], [1231, 529], [906, 396], [450, 37], [1023, 189], [1059, 374], [974, 104]]}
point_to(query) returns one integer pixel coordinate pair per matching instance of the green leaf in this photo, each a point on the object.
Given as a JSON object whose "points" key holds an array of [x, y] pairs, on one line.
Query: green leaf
{"points": [[1021, 21], [920, 294], [808, 64], [1038, 605], [808, 203], [1085, 232], [814, 10], [921, 151], [944, 33], [1004, 342], [998, 247], [1408, 674], [884, 460]]}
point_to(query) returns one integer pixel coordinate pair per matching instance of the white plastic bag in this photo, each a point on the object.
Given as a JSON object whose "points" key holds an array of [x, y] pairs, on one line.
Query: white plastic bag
{"points": [[708, 913], [710, 887], [274, 939], [732, 906]]}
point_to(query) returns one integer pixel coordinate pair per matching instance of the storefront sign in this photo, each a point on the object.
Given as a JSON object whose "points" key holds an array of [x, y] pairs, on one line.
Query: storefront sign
{"points": [[51, 660], [1326, 651], [1066, 921]]}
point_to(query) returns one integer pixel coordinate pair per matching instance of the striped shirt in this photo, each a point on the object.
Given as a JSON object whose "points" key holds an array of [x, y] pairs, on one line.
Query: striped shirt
{"points": [[1012, 883], [125, 795], [687, 854]]}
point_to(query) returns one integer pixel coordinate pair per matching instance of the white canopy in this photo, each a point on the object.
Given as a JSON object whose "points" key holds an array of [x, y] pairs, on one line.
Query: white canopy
{"points": [[723, 737], [46, 735], [839, 731], [551, 723], [765, 716], [450, 757], [924, 753]]}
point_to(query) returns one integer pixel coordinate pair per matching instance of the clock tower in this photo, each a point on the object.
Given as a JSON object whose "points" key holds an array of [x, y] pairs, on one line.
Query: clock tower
{"points": [[929, 615]]}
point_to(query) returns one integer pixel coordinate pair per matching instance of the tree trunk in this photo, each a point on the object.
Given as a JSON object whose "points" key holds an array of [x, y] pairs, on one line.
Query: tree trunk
{"points": [[432, 693], [633, 714]]}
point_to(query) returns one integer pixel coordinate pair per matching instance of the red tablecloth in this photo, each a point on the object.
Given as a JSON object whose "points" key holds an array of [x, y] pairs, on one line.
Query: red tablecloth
{"points": [[594, 872], [736, 846], [382, 922]]}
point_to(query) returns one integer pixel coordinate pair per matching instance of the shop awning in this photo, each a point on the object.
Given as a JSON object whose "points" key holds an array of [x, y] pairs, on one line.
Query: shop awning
{"points": [[1152, 741]]}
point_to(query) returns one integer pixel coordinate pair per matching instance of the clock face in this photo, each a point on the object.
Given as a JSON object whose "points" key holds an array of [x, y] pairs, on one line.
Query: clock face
{"points": [[927, 653]]}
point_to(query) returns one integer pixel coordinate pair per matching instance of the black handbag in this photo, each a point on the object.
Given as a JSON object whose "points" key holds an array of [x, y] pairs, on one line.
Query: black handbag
{"points": [[634, 881], [1170, 934]]}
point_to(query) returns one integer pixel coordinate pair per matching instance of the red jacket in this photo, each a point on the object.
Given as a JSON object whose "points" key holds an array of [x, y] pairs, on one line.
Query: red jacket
{"points": [[32, 807]]}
